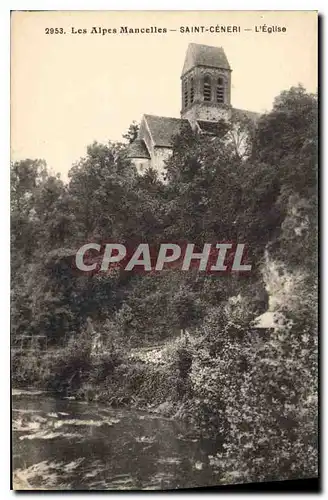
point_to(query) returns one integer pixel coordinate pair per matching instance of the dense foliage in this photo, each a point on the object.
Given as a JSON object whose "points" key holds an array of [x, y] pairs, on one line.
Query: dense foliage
{"points": [[254, 390]]}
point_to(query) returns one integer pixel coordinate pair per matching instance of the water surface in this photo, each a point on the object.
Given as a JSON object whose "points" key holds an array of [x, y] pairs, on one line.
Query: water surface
{"points": [[65, 444]]}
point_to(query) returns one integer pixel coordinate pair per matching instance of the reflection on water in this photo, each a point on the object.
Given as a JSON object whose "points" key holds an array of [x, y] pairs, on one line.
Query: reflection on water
{"points": [[61, 444]]}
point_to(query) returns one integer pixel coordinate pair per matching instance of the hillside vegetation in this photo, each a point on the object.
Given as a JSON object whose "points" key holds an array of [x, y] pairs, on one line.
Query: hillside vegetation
{"points": [[254, 391]]}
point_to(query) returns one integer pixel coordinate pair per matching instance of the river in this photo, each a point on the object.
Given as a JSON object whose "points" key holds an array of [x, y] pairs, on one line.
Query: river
{"points": [[72, 445]]}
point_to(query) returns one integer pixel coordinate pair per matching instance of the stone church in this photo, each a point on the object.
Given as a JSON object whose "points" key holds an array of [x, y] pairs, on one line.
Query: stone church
{"points": [[205, 99]]}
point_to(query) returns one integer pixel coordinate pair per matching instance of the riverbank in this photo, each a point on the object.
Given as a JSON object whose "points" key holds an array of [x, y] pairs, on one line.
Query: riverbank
{"points": [[153, 379]]}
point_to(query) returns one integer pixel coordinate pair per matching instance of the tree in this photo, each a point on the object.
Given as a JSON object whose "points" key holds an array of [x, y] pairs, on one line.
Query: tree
{"points": [[270, 394], [241, 133], [132, 132]]}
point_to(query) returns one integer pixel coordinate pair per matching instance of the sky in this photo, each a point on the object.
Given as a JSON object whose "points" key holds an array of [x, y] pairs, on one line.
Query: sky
{"points": [[70, 89]]}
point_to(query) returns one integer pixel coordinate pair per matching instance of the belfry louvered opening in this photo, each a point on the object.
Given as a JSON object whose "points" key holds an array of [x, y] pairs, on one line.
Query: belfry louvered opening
{"points": [[220, 90], [207, 88]]}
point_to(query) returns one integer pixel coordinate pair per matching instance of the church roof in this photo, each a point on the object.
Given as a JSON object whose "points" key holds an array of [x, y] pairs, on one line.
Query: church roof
{"points": [[205, 55], [209, 127], [251, 115], [138, 149], [162, 129]]}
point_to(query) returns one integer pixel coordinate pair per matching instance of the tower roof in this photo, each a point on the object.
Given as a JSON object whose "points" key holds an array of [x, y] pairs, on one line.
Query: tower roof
{"points": [[205, 55]]}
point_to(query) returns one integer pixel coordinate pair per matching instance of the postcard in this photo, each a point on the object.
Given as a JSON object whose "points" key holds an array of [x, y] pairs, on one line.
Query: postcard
{"points": [[164, 249]]}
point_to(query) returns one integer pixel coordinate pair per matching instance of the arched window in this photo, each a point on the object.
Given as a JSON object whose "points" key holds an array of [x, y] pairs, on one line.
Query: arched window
{"points": [[185, 93], [220, 90], [192, 90], [207, 88]]}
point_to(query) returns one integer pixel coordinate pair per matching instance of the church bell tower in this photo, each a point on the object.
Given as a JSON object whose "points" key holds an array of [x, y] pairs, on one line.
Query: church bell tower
{"points": [[205, 84]]}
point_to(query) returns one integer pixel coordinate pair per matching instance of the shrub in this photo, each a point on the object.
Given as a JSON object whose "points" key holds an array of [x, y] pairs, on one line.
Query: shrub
{"points": [[271, 408], [29, 370]]}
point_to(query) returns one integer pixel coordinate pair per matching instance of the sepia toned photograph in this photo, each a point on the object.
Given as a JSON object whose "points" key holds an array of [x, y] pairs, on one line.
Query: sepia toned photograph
{"points": [[164, 249]]}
